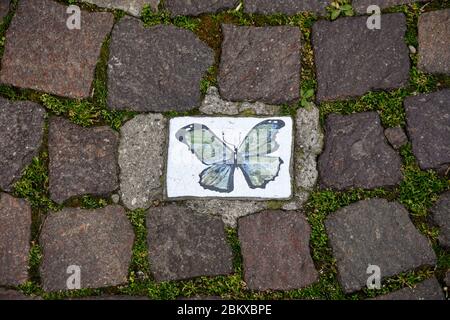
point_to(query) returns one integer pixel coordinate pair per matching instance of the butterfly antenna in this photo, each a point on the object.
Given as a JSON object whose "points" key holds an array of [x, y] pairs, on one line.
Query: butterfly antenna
{"points": [[223, 139]]}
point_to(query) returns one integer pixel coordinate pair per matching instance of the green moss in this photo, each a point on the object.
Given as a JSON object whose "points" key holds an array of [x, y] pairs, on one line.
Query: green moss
{"points": [[288, 110], [35, 261], [210, 79], [233, 241], [419, 189], [139, 262], [174, 114], [151, 18], [327, 201], [443, 259], [274, 204], [389, 105], [80, 112], [87, 202], [33, 184], [247, 113]]}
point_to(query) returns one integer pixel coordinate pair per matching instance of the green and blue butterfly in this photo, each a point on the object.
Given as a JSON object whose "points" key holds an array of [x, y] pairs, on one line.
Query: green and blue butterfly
{"points": [[252, 157]]}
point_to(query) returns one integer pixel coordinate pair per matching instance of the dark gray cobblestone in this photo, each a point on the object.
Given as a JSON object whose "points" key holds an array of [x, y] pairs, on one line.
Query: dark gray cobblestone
{"points": [[356, 154], [275, 249], [375, 232], [133, 7], [197, 7], [15, 233], [441, 216], [184, 245], [360, 6], [428, 127], [429, 289], [4, 8], [289, 7], [352, 60], [41, 53], [6, 294], [82, 160], [396, 137], [98, 241], [21, 133], [260, 64], [155, 69], [434, 32]]}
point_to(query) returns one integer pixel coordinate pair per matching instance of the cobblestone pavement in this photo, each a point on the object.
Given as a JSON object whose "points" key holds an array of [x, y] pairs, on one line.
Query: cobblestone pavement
{"points": [[85, 125]]}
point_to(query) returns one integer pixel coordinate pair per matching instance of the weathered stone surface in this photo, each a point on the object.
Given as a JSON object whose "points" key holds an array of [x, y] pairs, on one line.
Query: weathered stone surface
{"points": [[309, 144], [98, 241], [352, 60], [441, 216], [375, 232], [275, 248], [4, 8], [183, 244], [134, 7], [361, 6], [396, 137], [447, 279], [434, 47], [356, 154], [426, 290], [291, 206], [260, 64], [6, 294], [21, 131], [82, 160], [258, 108], [155, 69], [428, 127], [41, 52], [289, 7], [141, 160], [197, 7], [228, 210], [214, 104], [15, 233]]}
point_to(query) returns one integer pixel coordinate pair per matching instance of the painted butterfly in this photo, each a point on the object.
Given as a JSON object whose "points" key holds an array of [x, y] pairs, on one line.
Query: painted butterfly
{"points": [[251, 156]]}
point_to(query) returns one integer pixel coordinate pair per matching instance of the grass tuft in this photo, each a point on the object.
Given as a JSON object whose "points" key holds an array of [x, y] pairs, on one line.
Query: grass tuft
{"points": [[419, 189]]}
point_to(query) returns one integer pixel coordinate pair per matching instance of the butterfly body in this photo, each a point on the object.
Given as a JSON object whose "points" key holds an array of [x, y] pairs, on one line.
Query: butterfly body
{"points": [[252, 157]]}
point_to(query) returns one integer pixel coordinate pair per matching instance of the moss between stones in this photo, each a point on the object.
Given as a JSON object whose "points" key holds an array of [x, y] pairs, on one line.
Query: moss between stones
{"points": [[417, 192]]}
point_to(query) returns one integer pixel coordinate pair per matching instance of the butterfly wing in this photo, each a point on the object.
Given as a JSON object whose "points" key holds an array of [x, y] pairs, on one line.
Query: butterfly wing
{"points": [[218, 177], [202, 142], [253, 154], [259, 171], [213, 152], [261, 138]]}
